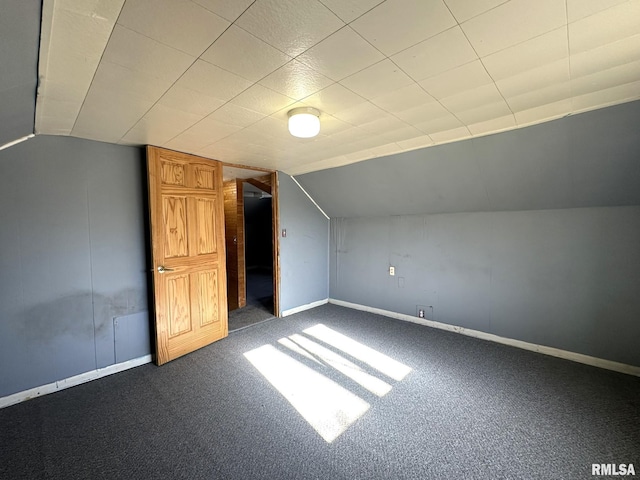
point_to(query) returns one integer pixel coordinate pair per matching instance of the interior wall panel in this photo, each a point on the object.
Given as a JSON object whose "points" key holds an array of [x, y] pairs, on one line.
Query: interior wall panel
{"points": [[304, 252], [565, 278], [72, 257]]}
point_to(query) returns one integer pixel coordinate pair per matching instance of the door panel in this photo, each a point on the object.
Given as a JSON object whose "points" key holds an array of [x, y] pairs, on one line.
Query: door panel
{"points": [[187, 238]]}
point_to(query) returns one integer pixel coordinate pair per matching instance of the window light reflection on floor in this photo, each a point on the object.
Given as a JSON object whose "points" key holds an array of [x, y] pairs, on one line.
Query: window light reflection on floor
{"points": [[327, 406], [371, 357], [344, 366]]}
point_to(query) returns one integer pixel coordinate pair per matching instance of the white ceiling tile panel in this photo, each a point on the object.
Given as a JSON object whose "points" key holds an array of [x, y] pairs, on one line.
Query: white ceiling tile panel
{"points": [[245, 55], [296, 80], [330, 124], [107, 10], [187, 141], [549, 95], [609, 96], [349, 10], [382, 123], [360, 113], [73, 39], [494, 125], [116, 78], [443, 82], [292, 26], [262, 100], [440, 124], [190, 101], [483, 113], [422, 113], [377, 79], [403, 98], [605, 57], [159, 125], [465, 77], [349, 135], [605, 27], [398, 24], [474, 98], [546, 48], [400, 134], [210, 130], [463, 10], [622, 74], [183, 25], [451, 135], [213, 81], [513, 22], [333, 99], [271, 128], [543, 113], [443, 52], [414, 143], [76, 60], [535, 79], [57, 117], [108, 115], [341, 54], [578, 9], [137, 52], [236, 115], [225, 8]]}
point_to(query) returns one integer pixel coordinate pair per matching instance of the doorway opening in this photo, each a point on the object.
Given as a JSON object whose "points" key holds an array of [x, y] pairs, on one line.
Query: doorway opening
{"points": [[251, 226]]}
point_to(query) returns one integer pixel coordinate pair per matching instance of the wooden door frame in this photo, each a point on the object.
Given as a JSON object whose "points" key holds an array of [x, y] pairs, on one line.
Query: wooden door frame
{"points": [[275, 228]]}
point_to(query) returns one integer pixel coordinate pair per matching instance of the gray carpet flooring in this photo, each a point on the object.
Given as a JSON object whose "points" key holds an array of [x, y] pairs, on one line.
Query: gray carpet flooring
{"points": [[467, 409]]}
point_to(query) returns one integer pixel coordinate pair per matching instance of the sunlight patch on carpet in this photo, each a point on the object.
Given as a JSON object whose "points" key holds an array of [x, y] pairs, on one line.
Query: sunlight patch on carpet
{"points": [[329, 407]]}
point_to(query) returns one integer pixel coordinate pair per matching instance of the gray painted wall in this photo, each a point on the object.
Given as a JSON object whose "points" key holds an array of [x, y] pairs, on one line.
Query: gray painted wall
{"points": [[72, 259], [20, 36], [563, 278], [304, 252], [586, 160]]}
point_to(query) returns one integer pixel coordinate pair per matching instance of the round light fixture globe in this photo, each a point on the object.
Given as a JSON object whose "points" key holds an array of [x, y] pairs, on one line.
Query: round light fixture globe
{"points": [[304, 122]]}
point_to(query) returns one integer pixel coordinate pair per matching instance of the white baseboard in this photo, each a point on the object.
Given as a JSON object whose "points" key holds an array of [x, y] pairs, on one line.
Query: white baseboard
{"points": [[554, 352], [72, 381], [302, 308]]}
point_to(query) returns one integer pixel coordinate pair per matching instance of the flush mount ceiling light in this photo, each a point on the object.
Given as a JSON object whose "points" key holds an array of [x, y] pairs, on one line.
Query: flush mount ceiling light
{"points": [[304, 122]]}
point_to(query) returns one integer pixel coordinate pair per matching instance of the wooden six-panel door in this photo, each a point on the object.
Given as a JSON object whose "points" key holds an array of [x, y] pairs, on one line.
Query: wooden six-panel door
{"points": [[187, 243]]}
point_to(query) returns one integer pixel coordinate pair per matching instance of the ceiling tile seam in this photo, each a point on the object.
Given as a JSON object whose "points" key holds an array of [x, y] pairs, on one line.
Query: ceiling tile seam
{"points": [[227, 102], [478, 14], [73, 127], [173, 46], [439, 102], [228, 20], [176, 81], [489, 75], [566, 12], [281, 51], [361, 15], [513, 44], [406, 73], [611, 7]]}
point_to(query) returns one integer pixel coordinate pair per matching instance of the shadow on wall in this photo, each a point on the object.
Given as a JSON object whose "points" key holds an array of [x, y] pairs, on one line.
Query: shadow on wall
{"points": [[120, 319]]}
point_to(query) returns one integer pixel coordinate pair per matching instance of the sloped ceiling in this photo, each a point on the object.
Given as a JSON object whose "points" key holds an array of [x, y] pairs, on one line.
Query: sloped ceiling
{"points": [[587, 160], [19, 37], [216, 78]]}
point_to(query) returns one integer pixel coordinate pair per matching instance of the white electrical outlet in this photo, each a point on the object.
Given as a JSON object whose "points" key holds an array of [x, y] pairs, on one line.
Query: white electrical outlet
{"points": [[392, 271], [421, 313]]}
